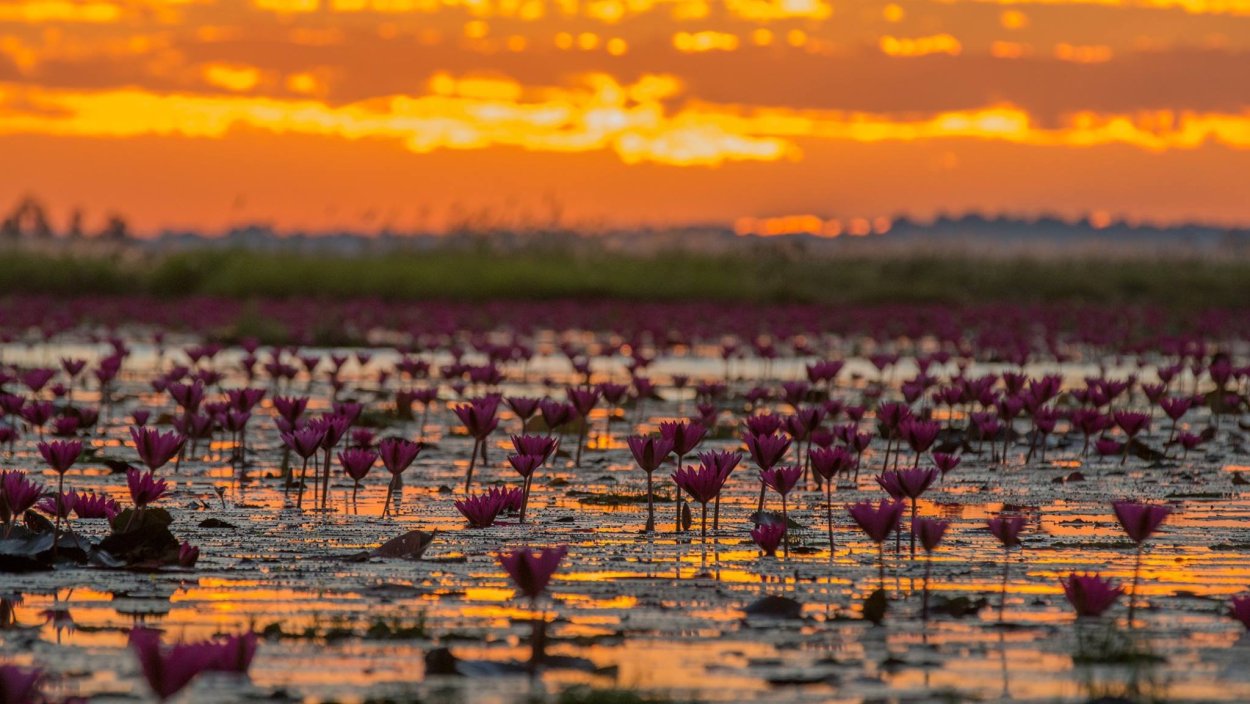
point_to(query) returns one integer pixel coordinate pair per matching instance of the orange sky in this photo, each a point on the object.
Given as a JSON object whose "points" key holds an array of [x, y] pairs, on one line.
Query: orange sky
{"points": [[412, 114]]}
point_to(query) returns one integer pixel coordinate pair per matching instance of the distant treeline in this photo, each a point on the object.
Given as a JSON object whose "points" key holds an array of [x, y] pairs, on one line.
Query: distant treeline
{"points": [[764, 275]]}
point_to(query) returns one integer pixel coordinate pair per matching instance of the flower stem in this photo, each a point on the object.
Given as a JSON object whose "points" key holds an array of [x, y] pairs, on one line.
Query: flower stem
{"points": [[924, 604], [303, 474], [650, 505], [1002, 597], [785, 522], [829, 514], [1132, 601], [881, 565], [468, 479], [913, 532]]}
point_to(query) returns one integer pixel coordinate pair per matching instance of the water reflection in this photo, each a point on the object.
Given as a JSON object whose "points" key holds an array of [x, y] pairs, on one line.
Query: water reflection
{"points": [[662, 611]]}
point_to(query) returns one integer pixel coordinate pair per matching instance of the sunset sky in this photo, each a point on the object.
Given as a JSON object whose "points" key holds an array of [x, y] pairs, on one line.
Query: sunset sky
{"points": [[416, 114]]}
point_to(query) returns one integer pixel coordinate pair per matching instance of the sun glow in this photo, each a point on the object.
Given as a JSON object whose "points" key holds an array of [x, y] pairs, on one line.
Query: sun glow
{"points": [[599, 113], [893, 92]]}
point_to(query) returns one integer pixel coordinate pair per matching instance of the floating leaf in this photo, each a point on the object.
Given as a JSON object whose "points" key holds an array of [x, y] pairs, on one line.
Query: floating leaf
{"points": [[409, 546], [23, 542], [958, 606], [875, 607], [441, 661], [150, 542], [216, 523], [775, 607], [150, 516]]}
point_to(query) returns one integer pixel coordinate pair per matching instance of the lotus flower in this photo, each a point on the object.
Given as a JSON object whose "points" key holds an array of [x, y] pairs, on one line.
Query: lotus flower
{"points": [[1090, 594], [763, 424], [96, 506], [703, 484], [58, 506], [480, 510], [305, 442], [144, 487], [19, 685], [828, 463], [583, 401], [397, 455], [877, 522], [523, 407], [479, 419], [555, 413], [510, 499], [945, 462], [531, 570], [156, 449], [525, 464], [1132, 423], [543, 445], [1007, 530], [187, 396], [290, 408], [356, 463], [768, 537], [18, 493], [649, 453], [1240, 610], [767, 450], [168, 671], [919, 435], [685, 436], [930, 532], [333, 427], [60, 454], [233, 653], [1140, 521]]}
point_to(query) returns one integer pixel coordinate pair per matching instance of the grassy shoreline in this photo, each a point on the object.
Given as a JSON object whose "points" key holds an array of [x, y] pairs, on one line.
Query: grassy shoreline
{"points": [[763, 276]]}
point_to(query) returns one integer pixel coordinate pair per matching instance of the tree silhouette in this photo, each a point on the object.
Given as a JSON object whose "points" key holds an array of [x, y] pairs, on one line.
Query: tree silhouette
{"points": [[28, 219]]}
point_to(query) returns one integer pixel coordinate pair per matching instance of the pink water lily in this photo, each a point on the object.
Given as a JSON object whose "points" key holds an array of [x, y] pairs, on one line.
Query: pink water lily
{"points": [[479, 419], [1140, 521], [19, 685], [18, 493], [397, 455], [480, 510], [930, 532], [1239, 609], [649, 453], [155, 448], [1090, 594], [768, 537], [356, 463], [531, 570], [877, 522], [169, 670], [704, 483], [145, 488]]}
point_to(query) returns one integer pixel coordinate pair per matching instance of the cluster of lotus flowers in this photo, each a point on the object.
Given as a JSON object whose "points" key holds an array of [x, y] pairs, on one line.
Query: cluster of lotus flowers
{"points": [[822, 441]]}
